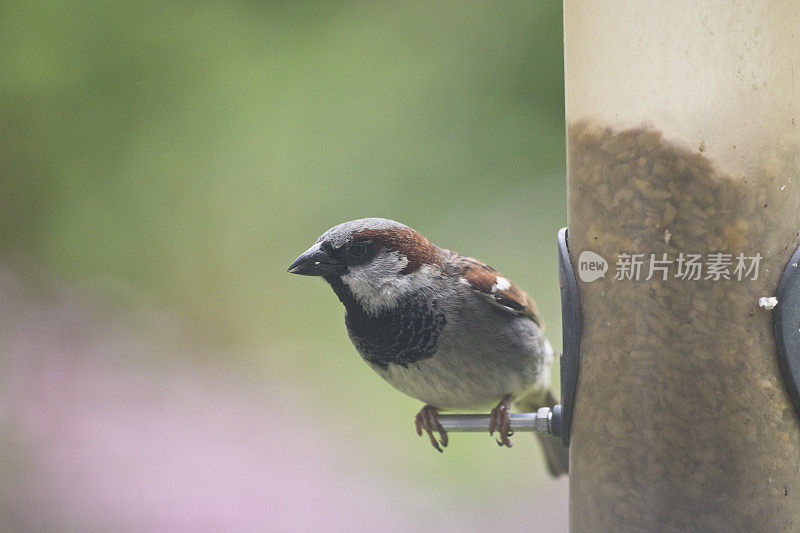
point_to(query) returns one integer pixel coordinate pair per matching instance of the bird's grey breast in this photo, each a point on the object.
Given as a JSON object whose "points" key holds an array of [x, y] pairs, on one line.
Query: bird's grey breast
{"points": [[402, 335]]}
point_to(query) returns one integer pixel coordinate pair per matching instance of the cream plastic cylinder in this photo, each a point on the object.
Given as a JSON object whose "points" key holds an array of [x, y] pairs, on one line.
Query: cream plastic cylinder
{"points": [[683, 141]]}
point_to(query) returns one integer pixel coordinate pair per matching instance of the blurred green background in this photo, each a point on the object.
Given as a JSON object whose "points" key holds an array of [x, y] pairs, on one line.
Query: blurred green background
{"points": [[163, 163]]}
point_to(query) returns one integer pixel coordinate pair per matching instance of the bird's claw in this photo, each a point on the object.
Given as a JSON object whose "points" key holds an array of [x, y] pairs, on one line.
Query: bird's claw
{"points": [[428, 421], [500, 421]]}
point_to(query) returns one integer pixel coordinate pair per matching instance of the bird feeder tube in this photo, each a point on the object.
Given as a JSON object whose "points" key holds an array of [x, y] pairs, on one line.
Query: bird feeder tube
{"points": [[683, 135]]}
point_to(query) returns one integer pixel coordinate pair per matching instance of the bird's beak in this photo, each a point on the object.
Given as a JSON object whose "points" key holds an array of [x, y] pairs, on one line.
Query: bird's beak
{"points": [[315, 262]]}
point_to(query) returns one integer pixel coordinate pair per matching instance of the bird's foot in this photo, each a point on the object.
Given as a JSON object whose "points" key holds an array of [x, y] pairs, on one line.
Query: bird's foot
{"points": [[428, 421], [500, 421]]}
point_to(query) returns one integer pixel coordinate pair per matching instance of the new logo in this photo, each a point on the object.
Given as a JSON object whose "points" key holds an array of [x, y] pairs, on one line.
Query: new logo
{"points": [[591, 266]]}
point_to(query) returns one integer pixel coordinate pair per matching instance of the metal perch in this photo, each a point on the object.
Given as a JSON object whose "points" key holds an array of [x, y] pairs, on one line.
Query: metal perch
{"points": [[545, 420]]}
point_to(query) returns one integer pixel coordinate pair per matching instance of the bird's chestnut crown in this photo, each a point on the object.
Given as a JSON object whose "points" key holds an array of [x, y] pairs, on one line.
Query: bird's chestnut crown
{"points": [[358, 243]]}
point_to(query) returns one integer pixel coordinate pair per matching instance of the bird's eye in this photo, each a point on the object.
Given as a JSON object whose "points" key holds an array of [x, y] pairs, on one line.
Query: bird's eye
{"points": [[358, 248]]}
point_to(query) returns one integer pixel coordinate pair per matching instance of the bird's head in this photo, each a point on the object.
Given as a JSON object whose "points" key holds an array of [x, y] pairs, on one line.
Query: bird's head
{"points": [[376, 260]]}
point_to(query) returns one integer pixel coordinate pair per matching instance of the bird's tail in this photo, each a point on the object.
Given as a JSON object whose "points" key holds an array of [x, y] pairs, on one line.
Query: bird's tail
{"points": [[555, 454]]}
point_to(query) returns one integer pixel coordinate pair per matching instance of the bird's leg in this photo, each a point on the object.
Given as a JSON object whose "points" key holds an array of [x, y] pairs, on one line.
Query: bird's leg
{"points": [[427, 420], [500, 420]]}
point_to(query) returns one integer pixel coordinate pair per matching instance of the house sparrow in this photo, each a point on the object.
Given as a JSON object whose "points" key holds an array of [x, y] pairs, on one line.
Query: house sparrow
{"points": [[439, 326]]}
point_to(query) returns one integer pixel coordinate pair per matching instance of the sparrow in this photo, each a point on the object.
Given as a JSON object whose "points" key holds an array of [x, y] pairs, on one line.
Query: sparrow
{"points": [[439, 326]]}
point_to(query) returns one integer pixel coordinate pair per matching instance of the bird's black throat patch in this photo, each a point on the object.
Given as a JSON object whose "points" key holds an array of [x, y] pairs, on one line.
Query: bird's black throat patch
{"points": [[405, 334]]}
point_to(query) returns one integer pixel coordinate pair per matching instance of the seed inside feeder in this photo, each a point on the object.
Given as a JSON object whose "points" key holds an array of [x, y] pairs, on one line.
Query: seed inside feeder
{"points": [[678, 361]]}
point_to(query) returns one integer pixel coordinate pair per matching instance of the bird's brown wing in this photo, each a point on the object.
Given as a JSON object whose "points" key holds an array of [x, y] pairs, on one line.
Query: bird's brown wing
{"points": [[498, 289]]}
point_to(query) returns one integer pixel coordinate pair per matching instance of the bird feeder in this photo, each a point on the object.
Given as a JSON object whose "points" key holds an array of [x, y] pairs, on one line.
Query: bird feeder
{"points": [[683, 141]]}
